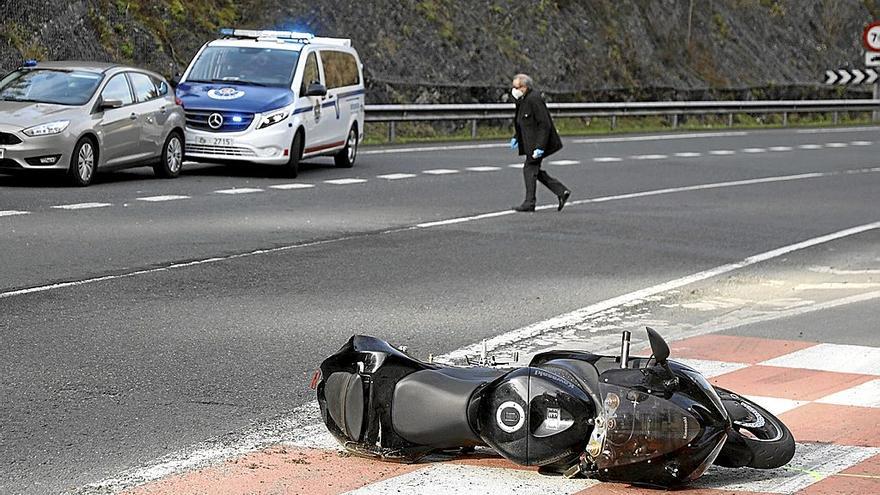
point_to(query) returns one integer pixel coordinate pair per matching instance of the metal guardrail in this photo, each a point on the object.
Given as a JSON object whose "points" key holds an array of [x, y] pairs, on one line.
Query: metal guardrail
{"points": [[392, 114]]}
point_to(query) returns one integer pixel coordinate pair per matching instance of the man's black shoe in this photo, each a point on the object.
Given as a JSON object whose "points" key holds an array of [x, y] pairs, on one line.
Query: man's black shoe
{"points": [[523, 208], [563, 199]]}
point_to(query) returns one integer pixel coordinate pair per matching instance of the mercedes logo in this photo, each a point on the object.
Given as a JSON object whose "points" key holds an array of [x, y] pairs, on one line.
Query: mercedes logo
{"points": [[215, 120]]}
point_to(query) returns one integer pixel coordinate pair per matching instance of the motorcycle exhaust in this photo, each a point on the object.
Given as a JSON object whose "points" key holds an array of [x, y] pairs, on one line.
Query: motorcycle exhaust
{"points": [[624, 349]]}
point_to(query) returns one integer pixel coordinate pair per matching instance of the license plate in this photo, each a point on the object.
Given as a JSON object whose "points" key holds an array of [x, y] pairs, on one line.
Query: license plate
{"points": [[213, 141]]}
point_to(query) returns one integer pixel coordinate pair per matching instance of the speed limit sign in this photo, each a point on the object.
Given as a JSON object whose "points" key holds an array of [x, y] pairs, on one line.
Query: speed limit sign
{"points": [[871, 37]]}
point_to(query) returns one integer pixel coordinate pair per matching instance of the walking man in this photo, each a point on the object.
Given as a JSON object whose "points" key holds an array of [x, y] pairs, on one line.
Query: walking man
{"points": [[536, 138]]}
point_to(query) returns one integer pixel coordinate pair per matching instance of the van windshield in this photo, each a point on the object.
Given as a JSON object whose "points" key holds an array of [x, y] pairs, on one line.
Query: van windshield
{"points": [[61, 87], [240, 65]]}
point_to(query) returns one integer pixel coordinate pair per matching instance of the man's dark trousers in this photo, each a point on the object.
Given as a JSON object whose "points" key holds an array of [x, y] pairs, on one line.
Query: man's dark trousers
{"points": [[532, 173]]}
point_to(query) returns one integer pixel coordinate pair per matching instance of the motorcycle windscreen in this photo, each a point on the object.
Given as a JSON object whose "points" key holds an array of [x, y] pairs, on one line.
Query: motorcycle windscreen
{"points": [[636, 426]]}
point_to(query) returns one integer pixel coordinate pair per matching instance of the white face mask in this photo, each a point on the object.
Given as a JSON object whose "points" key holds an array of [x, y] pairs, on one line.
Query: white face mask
{"points": [[517, 93]]}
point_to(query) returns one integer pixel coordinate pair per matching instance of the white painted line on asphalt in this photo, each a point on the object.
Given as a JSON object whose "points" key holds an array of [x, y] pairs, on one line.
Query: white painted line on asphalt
{"points": [[578, 315], [342, 182], [607, 159], [292, 185], [239, 190], [483, 169], [396, 176], [861, 143], [839, 129], [660, 137], [836, 145], [810, 146], [780, 148], [776, 405], [424, 149], [167, 197], [564, 162], [840, 271], [722, 152], [81, 206], [516, 165], [837, 286], [840, 358], [11, 213], [864, 395], [440, 171], [753, 150], [688, 154], [649, 157]]}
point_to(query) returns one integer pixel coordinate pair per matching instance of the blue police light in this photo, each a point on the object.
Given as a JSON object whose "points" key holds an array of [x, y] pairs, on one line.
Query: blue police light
{"points": [[227, 31], [30, 63], [236, 119]]}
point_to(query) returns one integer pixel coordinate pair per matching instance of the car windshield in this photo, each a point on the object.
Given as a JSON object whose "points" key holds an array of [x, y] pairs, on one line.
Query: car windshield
{"points": [[60, 87], [254, 66]]}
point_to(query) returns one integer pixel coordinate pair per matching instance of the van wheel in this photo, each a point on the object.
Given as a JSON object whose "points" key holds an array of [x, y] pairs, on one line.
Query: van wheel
{"points": [[83, 162], [296, 151], [346, 156], [171, 161]]}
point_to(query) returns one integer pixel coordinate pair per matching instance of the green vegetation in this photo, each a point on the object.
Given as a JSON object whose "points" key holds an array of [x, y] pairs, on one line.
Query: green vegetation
{"points": [[23, 41]]}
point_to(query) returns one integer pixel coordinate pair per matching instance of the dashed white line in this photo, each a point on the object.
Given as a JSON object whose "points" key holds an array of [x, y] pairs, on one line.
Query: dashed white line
{"points": [[292, 185], [12, 213], [722, 152], [607, 159], [342, 182], [836, 145], [839, 129], [516, 165], [483, 169], [810, 146], [167, 197], [440, 171], [239, 190], [753, 150], [688, 154], [861, 143], [81, 206], [649, 157], [396, 176], [564, 162], [659, 137], [780, 148]]}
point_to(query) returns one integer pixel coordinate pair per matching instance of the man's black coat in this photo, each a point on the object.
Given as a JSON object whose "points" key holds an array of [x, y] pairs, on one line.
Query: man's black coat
{"points": [[534, 127]]}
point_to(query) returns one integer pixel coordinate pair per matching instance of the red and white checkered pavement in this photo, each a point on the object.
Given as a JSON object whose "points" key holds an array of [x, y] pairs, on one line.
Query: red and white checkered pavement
{"points": [[827, 394]]}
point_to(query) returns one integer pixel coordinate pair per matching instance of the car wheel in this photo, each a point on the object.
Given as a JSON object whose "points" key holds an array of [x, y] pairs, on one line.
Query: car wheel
{"points": [[171, 161], [83, 162], [296, 152], [346, 156]]}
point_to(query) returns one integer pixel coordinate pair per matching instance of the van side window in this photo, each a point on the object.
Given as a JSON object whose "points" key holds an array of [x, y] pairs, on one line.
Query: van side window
{"points": [[117, 89], [340, 69], [310, 73]]}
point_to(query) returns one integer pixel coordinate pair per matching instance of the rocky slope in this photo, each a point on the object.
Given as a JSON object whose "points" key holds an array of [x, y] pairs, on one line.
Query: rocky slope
{"points": [[457, 50]]}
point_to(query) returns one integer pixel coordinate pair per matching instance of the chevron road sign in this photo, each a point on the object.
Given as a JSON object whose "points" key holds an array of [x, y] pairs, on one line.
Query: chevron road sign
{"points": [[851, 76]]}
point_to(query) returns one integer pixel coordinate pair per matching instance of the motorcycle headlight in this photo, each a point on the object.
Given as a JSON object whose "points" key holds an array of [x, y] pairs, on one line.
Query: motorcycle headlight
{"points": [[272, 118], [47, 129]]}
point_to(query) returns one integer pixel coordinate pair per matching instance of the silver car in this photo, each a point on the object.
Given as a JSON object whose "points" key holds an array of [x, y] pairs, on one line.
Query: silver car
{"points": [[85, 117]]}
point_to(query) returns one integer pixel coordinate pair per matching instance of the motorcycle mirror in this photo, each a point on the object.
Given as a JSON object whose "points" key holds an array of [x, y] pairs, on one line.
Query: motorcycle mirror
{"points": [[658, 346]]}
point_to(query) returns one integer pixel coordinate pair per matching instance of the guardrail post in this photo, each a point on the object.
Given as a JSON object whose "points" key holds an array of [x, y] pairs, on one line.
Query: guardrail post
{"points": [[875, 115], [613, 122], [675, 121], [835, 118], [474, 129], [784, 119], [730, 119], [392, 131]]}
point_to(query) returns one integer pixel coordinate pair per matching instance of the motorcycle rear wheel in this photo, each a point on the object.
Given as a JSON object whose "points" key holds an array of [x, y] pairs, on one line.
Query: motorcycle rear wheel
{"points": [[758, 439]]}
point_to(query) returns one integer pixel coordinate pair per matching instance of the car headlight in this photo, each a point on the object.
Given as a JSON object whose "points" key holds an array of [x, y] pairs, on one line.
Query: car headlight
{"points": [[273, 118], [47, 129]]}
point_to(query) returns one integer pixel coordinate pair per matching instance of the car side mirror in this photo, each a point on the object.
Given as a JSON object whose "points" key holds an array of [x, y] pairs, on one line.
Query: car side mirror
{"points": [[109, 104], [316, 89]]}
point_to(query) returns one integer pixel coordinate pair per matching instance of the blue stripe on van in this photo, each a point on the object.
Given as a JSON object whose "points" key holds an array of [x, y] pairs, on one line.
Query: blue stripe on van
{"points": [[353, 93]]}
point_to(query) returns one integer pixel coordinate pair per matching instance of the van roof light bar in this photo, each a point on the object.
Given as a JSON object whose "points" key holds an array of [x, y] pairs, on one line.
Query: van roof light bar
{"points": [[299, 37]]}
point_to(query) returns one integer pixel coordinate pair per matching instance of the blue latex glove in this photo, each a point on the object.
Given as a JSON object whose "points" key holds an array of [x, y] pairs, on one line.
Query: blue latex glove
{"points": [[538, 153], [514, 143]]}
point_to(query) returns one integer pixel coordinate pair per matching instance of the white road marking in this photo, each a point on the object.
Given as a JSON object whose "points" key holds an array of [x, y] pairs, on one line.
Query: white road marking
{"points": [[722, 152], [861, 143], [753, 150], [780, 148], [837, 286], [836, 271], [810, 146], [342, 182], [839, 129], [864, 395], [688, 154], [776, 405], [832, 357], [564, 162], [579, 315], [659, 137], [292, 185], [239, 190], [711, 369], [516, 165], [483, 169], [836, 145], [82, 206], [649, 157], [607, 159], [10, 213], [396, 176], [168, 197], [440, 171], [434, 148]]}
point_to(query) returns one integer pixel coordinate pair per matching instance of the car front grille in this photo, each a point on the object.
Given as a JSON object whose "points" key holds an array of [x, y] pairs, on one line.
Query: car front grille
{"points": [[198, 119], [207, 149], [9, 139]]}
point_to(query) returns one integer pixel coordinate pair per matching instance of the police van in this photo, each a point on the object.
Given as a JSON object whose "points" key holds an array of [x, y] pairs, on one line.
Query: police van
{"points": [[273, 97]]}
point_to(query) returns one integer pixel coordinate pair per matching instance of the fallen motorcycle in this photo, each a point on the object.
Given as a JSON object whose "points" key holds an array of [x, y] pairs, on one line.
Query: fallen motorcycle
{"points": [[648, 421]]}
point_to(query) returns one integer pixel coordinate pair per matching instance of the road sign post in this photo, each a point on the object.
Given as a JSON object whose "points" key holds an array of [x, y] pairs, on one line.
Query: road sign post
{"points": [[871, 40]]}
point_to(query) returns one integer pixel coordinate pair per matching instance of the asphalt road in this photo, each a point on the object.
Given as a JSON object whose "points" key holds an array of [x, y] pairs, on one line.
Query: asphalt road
{"points": [[103, 375]]}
